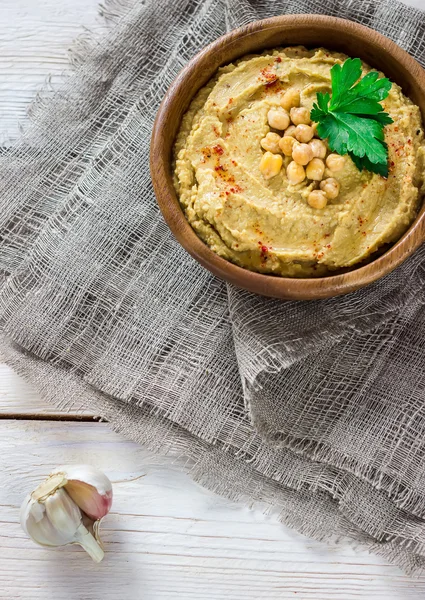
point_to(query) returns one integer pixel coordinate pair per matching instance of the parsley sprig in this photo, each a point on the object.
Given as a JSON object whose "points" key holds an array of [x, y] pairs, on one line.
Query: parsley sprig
{"points": [[352, 119]]}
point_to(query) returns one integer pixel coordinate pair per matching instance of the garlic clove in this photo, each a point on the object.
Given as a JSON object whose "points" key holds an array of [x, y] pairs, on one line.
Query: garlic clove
{"points": [[87, 474], [88, 499], [67, 508], [63, 514], [25, 511], [59, 521], [40, 529], [90, 489]]}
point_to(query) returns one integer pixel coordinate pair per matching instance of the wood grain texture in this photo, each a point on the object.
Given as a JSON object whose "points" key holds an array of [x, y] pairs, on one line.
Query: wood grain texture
{"points": [[166, 537], [35, 36], [17, 399], [312, 31]]}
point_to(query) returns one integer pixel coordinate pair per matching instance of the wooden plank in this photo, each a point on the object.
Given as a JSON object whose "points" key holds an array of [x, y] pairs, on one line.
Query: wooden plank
{"points": [[166, 537], [18, 399], [34, 39]]}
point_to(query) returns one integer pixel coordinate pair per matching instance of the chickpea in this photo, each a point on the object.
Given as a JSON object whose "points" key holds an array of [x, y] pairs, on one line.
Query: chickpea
{"points": [[290, 99], [303, 133], [271, 142], [278, 118], [315, 169], [317, 199], [286, 161], [319, 148], [286, 145], [300, 116], [270, 165], [302, 154], [290, 130], [331, 187], [315, 126], [335, 162], [295, 173]]}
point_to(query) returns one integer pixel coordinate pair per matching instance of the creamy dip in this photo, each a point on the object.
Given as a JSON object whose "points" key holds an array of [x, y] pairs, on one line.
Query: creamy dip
{"points": [[267, 225]]}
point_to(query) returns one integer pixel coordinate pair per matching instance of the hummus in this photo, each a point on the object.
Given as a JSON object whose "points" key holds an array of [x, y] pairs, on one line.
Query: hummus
{"points": [[267, 225]]}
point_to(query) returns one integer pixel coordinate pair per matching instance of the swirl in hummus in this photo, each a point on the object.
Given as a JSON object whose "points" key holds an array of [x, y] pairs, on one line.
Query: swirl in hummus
{"points": [[267, 224]]}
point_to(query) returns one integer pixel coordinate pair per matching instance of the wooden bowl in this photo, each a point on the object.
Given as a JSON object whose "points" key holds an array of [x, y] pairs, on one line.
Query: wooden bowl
{"points": [[312, 31]]}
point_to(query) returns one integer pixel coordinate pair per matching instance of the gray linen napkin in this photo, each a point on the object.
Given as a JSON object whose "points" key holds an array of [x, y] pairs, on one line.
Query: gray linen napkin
{"points": [[314, 408]]}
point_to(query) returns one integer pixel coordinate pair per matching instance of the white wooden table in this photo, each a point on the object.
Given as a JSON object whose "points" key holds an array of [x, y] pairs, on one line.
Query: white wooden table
{"points": [[166, 537]]}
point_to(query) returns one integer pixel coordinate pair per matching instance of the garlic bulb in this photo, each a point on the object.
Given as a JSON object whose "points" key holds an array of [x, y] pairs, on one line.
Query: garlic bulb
{"points": [[67, 509]]}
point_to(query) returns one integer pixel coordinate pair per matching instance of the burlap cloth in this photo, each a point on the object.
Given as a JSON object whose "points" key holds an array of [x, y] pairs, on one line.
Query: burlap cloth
{"points": [[315, 408]]}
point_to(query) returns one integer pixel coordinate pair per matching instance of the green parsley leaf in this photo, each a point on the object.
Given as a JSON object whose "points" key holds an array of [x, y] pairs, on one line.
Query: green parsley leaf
{"points": [[364, 163], [352, 118]]}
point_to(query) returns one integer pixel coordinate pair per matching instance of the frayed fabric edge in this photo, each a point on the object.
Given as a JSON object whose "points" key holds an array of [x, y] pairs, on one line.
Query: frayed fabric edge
{"points": [[54, 384], [113, 10], [110, 12], [404, 497]]}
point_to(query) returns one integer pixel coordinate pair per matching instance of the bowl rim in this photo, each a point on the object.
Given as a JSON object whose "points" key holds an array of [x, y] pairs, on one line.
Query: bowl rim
{"points": [[268, 284]]}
